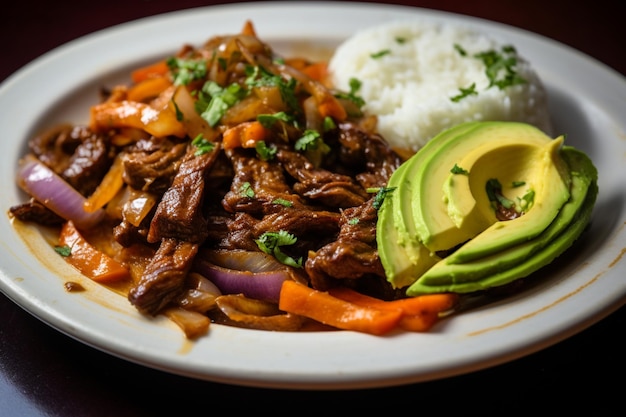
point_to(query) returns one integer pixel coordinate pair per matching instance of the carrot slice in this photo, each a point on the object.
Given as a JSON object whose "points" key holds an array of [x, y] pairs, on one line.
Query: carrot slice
{"points": [[244, 135], [87, 259], [148, 88], [110, 185], [418, 313], [299, 299], [159, 68]]}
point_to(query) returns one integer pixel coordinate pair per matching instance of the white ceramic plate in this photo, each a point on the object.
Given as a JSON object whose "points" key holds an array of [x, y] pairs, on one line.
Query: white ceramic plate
{"points": [[588, 103]]}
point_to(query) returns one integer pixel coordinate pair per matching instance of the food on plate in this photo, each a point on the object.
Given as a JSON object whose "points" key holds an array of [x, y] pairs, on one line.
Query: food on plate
{"points": [[421, 77], [481, 205], [228, 184]]}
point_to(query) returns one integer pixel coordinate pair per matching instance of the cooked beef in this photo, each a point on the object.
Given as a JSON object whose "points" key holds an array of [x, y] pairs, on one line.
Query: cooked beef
{"points": [[34, 211], [128, 235], [368, 155], [179, 213], [164, 277], [88, 164], [77, 154], [55, 146], [320, 185], [150, 165], [257, 186], [353, 254]]}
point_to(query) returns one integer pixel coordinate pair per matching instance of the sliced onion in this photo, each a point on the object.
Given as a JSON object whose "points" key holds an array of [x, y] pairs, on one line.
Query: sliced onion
{"points": [[257, 275], [255, 314], [55, 193]]}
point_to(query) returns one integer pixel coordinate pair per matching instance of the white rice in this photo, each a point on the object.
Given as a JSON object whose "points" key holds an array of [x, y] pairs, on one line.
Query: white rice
{"points": [[409, 89]]}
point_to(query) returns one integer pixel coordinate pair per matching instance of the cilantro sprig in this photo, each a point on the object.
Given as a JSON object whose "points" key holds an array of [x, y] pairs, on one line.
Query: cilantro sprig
{"points": [[271, 242]]}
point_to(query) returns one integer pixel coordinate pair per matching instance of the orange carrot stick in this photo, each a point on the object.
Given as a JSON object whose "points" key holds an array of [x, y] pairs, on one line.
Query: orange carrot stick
{"points": [[87, 259], [418, 313], [158, 68], [244, 135], [148, 88], [299, 299]]}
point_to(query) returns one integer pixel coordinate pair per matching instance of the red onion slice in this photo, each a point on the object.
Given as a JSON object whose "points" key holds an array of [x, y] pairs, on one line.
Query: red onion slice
{"points": [[55, 193], [256, 275]]}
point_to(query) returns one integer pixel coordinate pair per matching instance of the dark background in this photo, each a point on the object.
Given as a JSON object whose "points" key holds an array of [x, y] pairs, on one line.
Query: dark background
{"points": [[44, 373]]}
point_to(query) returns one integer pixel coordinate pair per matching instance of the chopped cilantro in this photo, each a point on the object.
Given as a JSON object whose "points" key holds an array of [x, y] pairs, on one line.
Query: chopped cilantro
{"points": [[380, 54], [203, 145], [527, 200], [494, 193], [217, 100], [266, 153], [329, 124], [400, 40], [458, 170], [185, 71], [460, 49], [516, 184], [500, 67], [353, 221], [311, 140], [465, 92], [260, 77], [355, 86], [269, 120], [381, 193], [270, 243], [179, 114], [63, 250], [283, 202], [246, 190]]}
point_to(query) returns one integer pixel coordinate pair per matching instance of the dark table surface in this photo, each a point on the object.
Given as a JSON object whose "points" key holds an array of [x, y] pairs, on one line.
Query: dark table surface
{"points": [[45, 373]]}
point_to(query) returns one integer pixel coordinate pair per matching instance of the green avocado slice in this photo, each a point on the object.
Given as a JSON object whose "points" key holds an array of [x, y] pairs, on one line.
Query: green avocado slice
{"points": [[521, 260], [435, 228], [553, 182], [403, 256]]}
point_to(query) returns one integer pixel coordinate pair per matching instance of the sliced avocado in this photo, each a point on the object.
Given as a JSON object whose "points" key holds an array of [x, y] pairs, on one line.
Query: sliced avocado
{"points": [[509, 161], [551, 183], [521, 260], [435, 228], [403, 256], [403, 259]]}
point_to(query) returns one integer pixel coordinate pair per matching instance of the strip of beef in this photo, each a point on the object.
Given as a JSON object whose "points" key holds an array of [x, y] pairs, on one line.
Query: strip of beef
{"points": [[320, 185], [150, 165], [54, 146], [367, 154], [353, 255], [77, 154], [88, 164], [313, 229], [34, 211], [179, 213], [164, 276], [257, 186]]}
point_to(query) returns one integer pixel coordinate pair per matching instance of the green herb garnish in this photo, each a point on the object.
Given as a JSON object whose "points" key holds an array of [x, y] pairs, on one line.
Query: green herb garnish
{"points": [[381, 194], [64, 250], [203, 146], [458, 170], [465, 92], [185, 71], [380, 54], [246, 190], [270, 243], [266, 153]]}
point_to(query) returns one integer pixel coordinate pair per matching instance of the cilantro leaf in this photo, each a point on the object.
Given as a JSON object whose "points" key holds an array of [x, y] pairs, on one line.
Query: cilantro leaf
{"points": [[270, 243]]}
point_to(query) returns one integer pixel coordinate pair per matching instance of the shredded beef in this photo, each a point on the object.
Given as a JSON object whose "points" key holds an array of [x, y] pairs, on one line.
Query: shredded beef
{"points": [[164, 277], [151, 165], [179, 213], [34, 211]]}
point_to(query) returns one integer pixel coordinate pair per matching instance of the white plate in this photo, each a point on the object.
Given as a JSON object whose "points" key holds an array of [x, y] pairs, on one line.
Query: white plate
{"points": [[587, 103]]}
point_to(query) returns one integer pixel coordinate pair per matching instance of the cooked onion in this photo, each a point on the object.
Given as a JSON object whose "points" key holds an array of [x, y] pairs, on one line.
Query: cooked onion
{"points": [[255, 314], [255, 274], [55, 193]]}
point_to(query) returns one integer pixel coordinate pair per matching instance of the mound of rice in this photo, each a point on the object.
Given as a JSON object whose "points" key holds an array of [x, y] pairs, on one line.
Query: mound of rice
{"points": [[410, 70]]}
